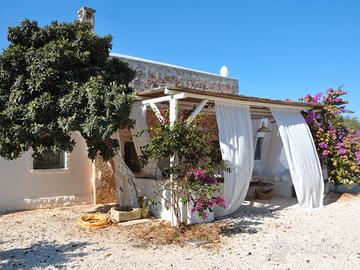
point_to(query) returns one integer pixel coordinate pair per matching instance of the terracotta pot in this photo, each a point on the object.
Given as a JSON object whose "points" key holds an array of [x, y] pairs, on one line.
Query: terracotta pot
{"points": [[263, 194]]}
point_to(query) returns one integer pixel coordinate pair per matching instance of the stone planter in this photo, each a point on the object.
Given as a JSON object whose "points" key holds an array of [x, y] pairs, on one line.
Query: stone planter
{"points": [[121, 215], [196, 219]]}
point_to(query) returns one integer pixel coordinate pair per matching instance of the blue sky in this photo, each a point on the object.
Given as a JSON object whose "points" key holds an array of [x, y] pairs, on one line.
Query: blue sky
{"points": [[276, 49]]}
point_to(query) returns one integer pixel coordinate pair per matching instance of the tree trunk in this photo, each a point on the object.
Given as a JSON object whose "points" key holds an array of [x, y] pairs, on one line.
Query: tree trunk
{"points": [[126, 192]]}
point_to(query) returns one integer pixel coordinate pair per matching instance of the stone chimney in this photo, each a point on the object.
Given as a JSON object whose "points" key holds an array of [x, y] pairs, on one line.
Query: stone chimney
{"points": [[86, 14]]}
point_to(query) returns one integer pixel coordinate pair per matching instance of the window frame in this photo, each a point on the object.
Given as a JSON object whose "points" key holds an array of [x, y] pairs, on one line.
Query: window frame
{"points": [[63, 169]]}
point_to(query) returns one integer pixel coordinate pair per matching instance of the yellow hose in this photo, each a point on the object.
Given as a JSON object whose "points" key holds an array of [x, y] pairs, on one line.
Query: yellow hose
{"points": [[94, 221]]}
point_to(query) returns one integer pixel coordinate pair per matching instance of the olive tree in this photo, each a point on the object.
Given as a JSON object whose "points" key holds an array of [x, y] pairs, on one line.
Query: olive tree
{"points": [[58, 79]]}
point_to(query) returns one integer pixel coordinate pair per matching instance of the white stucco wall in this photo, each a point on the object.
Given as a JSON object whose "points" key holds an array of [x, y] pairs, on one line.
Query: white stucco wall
{"points": [[23, 188], [149, 188]]}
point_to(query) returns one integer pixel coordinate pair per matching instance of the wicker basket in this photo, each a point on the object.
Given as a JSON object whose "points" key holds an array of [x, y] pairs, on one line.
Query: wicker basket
{"points": [[262, 193]]}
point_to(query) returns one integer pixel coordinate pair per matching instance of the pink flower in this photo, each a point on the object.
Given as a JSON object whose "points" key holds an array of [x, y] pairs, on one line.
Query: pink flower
{"points": [[323, 145], [357, 156], [325, 154], [199, 173]]}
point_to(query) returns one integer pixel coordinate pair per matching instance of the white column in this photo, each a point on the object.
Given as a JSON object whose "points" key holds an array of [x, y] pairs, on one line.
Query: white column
{"points": [[173, 116]]}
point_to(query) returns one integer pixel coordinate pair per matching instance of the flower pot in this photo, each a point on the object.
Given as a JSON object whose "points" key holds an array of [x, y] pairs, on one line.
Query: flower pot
{"points": [[263, 193], [196, 219]]}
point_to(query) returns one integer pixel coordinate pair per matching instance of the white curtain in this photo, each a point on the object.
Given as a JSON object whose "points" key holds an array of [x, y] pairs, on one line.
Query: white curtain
{"points": [[140, 134], [236, 143], [274, 165], [302, 157]]}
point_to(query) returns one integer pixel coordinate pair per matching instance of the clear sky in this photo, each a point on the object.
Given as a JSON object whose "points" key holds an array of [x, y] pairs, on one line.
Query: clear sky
{"points": [[276, 49]]}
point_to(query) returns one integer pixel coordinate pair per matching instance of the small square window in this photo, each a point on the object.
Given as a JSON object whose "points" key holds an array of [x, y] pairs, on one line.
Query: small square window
{"points": [[50, 161]]}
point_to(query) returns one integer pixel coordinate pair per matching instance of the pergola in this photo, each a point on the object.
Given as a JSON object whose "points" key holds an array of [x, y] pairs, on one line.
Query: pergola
{"points": [[259, 107], [300, 150]]}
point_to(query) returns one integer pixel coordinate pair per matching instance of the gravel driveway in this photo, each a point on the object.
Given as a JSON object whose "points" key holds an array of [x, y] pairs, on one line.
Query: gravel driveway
{"points": [[278, 235]]}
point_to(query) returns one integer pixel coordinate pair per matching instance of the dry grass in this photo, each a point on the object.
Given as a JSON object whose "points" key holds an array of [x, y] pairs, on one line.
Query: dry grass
{"points": [[162, 233], [345, 197]]}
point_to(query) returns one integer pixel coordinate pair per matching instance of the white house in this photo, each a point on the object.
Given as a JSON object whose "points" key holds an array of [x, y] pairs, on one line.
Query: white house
{"points": [[284, 156]]}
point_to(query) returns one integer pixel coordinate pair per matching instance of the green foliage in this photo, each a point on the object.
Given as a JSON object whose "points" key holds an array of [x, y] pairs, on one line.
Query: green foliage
{"points": [[58, 79], [351, 122], [191, 145], [193, 176]]}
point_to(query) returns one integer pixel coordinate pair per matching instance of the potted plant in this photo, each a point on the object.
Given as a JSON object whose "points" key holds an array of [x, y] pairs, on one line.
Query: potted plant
{"points": [[202, 196], [144, 204], [190, 180]]}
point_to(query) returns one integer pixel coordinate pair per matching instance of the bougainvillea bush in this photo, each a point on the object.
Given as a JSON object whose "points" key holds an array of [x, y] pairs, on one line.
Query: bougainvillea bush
{"points": [[337, 145], [193, 177], [202, 190]]}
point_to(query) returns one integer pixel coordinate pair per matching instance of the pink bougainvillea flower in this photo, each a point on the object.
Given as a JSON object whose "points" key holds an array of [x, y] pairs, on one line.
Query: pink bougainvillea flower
{"points": [[357, 156]]}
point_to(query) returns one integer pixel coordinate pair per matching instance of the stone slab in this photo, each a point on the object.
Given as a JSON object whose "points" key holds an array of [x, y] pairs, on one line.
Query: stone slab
{"points": [[197, 242], [121, 216], [134, 222]]}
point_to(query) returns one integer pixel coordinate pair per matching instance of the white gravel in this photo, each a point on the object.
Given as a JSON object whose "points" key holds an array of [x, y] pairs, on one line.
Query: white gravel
{"points": [[278, 235]]}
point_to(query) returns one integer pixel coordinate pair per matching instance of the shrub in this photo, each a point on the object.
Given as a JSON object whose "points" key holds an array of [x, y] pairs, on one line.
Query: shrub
{"points": [[338, 146], [192, 178]]}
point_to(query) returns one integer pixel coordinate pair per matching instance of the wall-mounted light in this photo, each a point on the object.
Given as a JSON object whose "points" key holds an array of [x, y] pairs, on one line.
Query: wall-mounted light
{"points": [[263, 128]]}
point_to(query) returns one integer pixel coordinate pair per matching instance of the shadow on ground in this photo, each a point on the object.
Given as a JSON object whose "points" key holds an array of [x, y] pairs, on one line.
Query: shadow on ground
{"points": [[331, 198], [41, 255], [105, 208], [10, 212], [252, 214]]}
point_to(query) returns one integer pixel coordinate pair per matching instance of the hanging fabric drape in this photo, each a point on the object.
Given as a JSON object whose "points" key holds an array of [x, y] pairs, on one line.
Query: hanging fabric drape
{"points": [[236, 143], [140, 134], [139, 131], [274, 165], [303, 161]]}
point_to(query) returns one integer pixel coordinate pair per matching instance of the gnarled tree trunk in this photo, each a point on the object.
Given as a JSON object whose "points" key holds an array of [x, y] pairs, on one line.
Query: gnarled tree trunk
{"points": [[126, 192]]}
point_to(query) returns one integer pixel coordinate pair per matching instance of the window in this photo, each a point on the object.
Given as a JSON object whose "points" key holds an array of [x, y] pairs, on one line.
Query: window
{"points": [[131, 158], [50, 161], [258, 148]]}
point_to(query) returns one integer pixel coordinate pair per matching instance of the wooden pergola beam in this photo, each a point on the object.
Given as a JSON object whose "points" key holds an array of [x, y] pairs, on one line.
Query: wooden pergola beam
{"points": [[156, 111], [236, 101], [197, 110], [164, 98]]}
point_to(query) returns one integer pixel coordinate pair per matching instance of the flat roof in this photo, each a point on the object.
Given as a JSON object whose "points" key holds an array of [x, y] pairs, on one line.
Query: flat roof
{"points": [[166, 65]]}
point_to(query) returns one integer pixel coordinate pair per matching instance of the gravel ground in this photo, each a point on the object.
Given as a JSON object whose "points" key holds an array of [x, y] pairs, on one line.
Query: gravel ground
{"points": [[260, 236]]}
